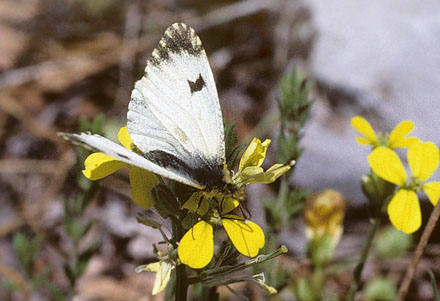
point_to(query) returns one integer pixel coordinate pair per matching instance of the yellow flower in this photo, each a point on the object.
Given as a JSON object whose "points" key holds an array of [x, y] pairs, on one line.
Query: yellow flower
{"points": [[214, 208], [323, 213], [163, 272], [250, 170], [196, 247], [100, 165], [404, 207], [162, 268], [396, 139]]}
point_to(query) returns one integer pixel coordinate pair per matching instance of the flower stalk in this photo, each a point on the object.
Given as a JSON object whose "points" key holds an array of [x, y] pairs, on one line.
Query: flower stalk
{"points": [[357, 273]]}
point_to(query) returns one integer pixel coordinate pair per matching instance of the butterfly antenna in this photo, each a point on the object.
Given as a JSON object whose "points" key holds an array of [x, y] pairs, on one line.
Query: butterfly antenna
{"points": [[200, 203], [245, 212]]}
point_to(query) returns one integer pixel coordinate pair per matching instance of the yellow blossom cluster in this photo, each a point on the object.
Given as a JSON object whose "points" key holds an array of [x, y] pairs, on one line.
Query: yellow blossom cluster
{"points": [[423, 159], [213, 208]]}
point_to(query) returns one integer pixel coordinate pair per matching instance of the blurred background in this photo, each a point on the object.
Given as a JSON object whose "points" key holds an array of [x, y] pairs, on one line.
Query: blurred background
{"points": [[63, 61]]}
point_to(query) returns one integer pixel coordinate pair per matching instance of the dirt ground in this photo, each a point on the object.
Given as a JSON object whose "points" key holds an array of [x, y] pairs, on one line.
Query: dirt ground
{"points": [[63, 59]]}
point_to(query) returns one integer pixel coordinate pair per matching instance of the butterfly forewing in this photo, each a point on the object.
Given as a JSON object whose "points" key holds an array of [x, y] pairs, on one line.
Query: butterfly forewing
{"points": [[174, 115]]}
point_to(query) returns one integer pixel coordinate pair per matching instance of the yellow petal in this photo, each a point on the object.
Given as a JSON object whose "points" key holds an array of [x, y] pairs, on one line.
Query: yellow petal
{"points": [[423, 159], [364, 127], [404, 211], [273, 173], [246, 236], [196, 247], [197, 203], [405, 142], [363, 141], [163, 273], [399, 132], [162, 278], [228, 204], [124, 137], [141, 183], [153, 267], [100, 165], [255, 153], [432, 190], [387, 165]]}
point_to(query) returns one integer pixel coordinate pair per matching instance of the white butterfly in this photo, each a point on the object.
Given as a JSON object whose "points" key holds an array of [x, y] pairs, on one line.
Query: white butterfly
{"points": [[174, 116]]}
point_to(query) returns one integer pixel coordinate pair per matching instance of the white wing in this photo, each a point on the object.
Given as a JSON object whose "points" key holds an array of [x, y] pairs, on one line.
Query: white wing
{"points": [[174, 114], [101, 144]]}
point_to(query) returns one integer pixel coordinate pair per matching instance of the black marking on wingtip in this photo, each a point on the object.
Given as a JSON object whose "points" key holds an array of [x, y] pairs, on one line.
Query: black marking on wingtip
{"points": [[178, 37], [197, 85]]}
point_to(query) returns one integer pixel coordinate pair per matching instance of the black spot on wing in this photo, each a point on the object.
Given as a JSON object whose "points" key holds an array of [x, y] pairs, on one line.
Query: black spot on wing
{"points": [[208, 175], [123, 156], [197, 85], [178, 37]]}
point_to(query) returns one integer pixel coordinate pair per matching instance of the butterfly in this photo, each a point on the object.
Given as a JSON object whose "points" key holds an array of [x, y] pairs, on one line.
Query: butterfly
{"points": [[174, 117]]}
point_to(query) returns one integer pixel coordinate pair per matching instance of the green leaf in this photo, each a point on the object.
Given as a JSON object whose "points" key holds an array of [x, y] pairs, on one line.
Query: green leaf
{"points": [[273, 216], [232, 158], [8, 285], [189, 220], [84, 124], [303, 290], [145, 220], [54, 291], [381, 289], [89, 252], [321, 250], [392, 243], [41, 278], [26, 249], [434, 285], [165, 202], [97, 125], [231, 149], [376, 190], [230, 138]]}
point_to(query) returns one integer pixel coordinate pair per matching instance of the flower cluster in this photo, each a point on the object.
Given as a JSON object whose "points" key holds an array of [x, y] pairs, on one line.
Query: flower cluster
{"points": [[213, 208], [423, 159], [396, 139]]}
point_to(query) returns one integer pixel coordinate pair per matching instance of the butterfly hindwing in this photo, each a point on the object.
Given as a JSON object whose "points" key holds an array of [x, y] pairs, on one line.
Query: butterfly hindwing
{"points": [[104, 145], [174, 114]]}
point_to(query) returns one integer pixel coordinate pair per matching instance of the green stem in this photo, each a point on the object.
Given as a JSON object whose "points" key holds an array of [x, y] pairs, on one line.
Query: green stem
{"points": [[222, 271], [280, 204], [357, 273], [181, 283], [210, 293]]}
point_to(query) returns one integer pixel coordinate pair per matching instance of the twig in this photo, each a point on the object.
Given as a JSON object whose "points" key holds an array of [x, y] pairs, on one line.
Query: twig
{"points": [[16, 278], [13, 108], [28, 166], [133, 25], [232, 12], [283, 33], [403, 290]]}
